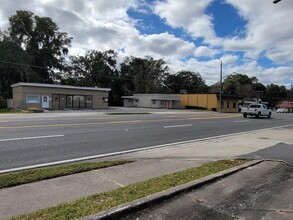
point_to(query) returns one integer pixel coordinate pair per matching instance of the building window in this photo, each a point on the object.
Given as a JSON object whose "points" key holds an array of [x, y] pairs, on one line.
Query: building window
{"points": [[234, 104], [89, 101], [162, 102], [154, 102], [32, 99], [228, 104], [222, 104], [75, 101]]}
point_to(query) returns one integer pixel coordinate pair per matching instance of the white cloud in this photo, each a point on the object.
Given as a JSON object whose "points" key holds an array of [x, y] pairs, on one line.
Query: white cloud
{"points": [[204, 51], [105, 24], [229, 59], [188, 14], [269, 29], [162, 45]]}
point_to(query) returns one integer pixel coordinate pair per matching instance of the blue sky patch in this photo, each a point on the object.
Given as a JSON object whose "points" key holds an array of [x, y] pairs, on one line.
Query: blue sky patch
{"points": [[226, 20]]}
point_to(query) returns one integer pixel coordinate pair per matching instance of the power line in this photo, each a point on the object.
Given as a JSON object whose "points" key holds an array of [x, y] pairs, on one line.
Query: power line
{"points": [[22, 64]]}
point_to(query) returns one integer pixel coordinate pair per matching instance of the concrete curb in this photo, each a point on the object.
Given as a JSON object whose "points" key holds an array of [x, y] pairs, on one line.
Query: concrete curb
{"points": [[115, 213]]}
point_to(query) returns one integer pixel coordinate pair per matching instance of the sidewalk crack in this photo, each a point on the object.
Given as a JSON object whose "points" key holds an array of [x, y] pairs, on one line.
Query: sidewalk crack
{"points": [[110, 180]]}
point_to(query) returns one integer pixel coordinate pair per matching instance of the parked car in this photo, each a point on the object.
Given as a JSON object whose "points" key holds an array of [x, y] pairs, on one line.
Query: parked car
{"points": [[282, 110], [256, 110]]}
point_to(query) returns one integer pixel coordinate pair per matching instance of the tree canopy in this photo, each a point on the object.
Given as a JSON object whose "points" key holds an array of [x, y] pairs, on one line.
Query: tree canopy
{"points": [[275, 93], [142, 75], [186, 80], [95, 68], [14, 65], [33, 49], [42, 41]]}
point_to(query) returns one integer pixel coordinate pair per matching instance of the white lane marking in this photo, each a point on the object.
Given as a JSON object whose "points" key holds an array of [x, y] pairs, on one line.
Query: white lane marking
{"points": [[242, 121], [177, 126], [30, 138], [134, 150]]}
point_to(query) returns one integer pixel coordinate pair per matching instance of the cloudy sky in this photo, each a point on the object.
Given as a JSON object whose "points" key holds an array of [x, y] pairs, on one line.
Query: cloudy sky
{"points": [[252, 37]]}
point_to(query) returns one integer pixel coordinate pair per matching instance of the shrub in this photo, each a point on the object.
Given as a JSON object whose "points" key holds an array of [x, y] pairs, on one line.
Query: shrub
{"points": [[195, 107], [3, 102]]}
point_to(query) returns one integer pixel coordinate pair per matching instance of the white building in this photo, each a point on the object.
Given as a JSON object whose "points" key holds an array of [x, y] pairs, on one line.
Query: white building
{"points": [[152, 101]]}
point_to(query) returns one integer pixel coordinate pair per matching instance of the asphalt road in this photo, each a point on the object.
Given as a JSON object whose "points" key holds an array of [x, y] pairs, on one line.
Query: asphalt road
{"points": [[49, 137], [281, 151], [263, 191]]}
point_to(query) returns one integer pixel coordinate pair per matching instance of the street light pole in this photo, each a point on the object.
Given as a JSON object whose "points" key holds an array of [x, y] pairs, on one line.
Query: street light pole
{"points": [[291, 110], [221, 72]]}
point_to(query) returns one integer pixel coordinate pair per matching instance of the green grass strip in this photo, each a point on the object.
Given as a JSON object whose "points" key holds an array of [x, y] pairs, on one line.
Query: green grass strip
{"points": [[102, 201], [29, 176], [127, 113], [8, 110]]}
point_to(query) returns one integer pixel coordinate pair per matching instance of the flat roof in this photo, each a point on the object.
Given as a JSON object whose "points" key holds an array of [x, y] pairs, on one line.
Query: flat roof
{"points": [[43, 85], [167, 97]]}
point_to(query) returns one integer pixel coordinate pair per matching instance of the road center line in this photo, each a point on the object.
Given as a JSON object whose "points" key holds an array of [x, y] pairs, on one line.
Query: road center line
{"points": [[178, 126], [30, 138]]}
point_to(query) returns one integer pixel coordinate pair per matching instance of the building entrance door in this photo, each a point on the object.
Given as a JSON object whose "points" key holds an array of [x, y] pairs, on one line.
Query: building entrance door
{"points": [[69, 101], [45, 101]]}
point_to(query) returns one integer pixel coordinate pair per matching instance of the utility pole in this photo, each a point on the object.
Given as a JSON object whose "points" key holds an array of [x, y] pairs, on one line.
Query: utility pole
{"points": [[291, 104], [220, 95]]}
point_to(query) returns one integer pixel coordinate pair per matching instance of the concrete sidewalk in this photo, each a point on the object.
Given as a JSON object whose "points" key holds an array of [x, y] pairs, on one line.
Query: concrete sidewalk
{"points": [[151, 163]]}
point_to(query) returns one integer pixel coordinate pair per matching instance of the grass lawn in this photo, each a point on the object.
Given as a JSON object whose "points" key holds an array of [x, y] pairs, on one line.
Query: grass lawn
{"points": [[9, 110], [23, 177], [102, 201]]}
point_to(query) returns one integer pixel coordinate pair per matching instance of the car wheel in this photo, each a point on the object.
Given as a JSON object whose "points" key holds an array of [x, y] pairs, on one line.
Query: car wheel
{"points": [[244, 115], [269, 115]]}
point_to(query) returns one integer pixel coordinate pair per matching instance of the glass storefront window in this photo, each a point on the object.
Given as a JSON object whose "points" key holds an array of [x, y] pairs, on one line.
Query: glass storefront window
{"points": [[76, 101], [32, 99], [82, 101], [69, 101], [89, 101]]}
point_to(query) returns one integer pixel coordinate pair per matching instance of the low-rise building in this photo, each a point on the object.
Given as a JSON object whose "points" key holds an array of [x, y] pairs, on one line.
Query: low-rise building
{"points": [[229, 103], [51, 96], [152, 101]]}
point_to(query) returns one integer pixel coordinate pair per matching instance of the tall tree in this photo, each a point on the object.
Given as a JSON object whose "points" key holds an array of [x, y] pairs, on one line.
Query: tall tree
{"points": [[14, 66], [42, 40], [95, 68], [239, 84], [186, 80], [275, 94], [142, 75]]}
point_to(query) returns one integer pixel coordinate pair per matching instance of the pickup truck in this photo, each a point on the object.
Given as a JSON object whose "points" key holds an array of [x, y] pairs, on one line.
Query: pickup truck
{"points": [[256, 110]]}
